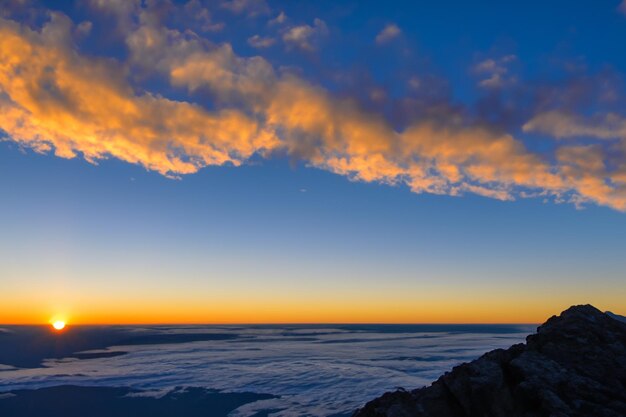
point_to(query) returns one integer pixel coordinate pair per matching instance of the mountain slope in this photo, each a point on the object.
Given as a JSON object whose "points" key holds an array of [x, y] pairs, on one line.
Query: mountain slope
{"points": [[574, 366]]}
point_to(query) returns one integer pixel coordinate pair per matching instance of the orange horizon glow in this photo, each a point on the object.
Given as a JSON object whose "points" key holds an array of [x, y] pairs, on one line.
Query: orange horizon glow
{"points": [[334, 315], [434, 304]]}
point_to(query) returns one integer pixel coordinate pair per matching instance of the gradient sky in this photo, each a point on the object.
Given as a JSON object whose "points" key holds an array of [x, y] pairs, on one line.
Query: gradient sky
{"points": [[311, 161]]}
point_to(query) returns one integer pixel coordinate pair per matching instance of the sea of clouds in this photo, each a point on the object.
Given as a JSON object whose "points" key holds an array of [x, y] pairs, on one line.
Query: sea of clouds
{"points": [[316, 370]]}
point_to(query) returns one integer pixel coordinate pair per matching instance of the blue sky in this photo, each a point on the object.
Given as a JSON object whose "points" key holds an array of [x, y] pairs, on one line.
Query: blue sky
{"points": [[498, 196]]}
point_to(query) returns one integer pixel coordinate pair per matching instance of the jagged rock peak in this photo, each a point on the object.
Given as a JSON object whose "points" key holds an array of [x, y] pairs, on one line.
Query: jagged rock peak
{"points": [[574, 366]]}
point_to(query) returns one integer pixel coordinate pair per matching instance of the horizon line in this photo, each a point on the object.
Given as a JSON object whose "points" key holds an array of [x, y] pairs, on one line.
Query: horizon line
{"points": [[281, 324]]}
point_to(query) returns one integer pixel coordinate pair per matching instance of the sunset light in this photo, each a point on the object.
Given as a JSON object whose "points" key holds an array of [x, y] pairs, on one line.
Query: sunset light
{"points": [[290, 208], [58, 325]]}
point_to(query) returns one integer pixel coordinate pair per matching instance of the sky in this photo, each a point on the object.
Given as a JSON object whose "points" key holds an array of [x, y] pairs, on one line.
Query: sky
{"points": [[251, 161]]}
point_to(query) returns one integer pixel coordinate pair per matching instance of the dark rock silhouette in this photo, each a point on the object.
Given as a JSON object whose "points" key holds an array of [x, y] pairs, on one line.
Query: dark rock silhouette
{"points": [[616, 316], [574, 366]]}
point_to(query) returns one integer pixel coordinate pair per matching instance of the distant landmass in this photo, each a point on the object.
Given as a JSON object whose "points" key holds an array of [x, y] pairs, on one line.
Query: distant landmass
{"points": [[75, 401], [574, 366], [29, 346]]}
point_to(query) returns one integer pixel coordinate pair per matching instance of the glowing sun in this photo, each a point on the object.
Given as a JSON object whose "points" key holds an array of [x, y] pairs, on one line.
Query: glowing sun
{"points": [[58, 325]]}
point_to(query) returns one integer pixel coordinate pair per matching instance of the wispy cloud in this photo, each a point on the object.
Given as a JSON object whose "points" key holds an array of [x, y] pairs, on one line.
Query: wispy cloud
{"points": [[195, 11], [249, 7], [495, 71], [258, 41], [125, 12], [278, 20], [388, 33], [562, 124], [128, 14], [305, 37]]}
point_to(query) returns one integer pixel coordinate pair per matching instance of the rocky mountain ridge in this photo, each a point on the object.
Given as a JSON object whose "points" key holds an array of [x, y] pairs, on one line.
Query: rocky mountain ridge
{"points": [[573, 366]]}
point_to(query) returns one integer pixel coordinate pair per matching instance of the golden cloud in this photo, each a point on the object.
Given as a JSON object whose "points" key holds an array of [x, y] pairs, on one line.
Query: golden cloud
{"points": [[53, 98]]}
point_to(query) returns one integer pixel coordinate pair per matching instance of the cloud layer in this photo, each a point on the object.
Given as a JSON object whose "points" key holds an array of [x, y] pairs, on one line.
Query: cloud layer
{"points": [[316, 371], [53, 98]]}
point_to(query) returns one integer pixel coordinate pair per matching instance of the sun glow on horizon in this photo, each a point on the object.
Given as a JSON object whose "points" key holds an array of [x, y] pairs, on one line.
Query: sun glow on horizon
{"points": [[58, 325]]}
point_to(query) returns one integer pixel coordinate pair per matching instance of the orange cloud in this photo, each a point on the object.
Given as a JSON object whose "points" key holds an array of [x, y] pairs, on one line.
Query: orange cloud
{"points": [[585, 168], [55, 99]]}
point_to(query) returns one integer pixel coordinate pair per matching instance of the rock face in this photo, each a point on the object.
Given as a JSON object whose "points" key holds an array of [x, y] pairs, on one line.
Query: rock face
{"points": [[616, 316], [575, 365]]}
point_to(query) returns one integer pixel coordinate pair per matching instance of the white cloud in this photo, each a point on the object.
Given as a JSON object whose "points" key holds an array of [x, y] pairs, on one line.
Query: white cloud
{"points": [[249, 7], [194, 11], [305, 37], [495, 71], [125, 11], [278, 20], [389, 32], [84, 28], [561, 125], [258, 41]]}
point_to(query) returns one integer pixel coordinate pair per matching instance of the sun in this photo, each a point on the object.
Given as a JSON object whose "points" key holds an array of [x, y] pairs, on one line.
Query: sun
{"points": [[58, 325]]}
